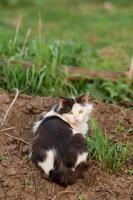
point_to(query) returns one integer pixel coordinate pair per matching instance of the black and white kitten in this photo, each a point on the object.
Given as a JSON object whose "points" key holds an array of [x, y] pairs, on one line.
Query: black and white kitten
{"points": [[59, 147]]}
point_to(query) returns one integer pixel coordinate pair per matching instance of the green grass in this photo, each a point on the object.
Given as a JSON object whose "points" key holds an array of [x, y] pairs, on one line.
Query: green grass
{"points": [[45, 72], [40, 51], [111, 156], [107, 91], [130, 172], [65, 33], [48, 80], [107, 33]]}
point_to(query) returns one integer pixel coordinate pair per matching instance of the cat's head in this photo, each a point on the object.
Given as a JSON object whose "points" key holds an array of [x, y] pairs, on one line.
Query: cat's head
{"points": [[77, 106]]}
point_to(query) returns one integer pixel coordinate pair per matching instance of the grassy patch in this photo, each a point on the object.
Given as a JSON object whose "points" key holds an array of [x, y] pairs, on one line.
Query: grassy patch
{"points": [[87, 21], [36, 66], [107, 91], [15, 47], [35, 81], [111, 156]]}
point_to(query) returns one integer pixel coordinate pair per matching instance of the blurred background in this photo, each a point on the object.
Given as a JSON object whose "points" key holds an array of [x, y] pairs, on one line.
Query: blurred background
{"points": [[93, 34], [105, 25]]}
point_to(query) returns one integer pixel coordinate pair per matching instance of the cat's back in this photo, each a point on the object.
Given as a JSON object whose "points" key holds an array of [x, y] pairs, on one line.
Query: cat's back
{"points": [[53, 131], [54, 124]]}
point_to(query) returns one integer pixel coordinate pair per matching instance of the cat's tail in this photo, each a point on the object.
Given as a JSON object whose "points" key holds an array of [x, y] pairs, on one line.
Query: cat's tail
{"points": [[64, 175]]}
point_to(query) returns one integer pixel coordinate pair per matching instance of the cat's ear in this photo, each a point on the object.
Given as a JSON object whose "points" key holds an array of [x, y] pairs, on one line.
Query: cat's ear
{"points": [[84, 98], [62, 101]]}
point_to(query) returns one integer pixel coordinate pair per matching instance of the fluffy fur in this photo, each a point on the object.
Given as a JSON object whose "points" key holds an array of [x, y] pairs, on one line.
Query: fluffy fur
{"points": [[79, 117], [59, 147]]}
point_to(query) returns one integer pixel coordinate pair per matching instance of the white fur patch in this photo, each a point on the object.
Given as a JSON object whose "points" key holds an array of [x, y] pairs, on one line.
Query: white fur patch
{"points": [[79, 118], [81, 158], [81, 112], [78, 121], [48, 163], [36, 125], [90, 107], [74, 131], [81, 127]]}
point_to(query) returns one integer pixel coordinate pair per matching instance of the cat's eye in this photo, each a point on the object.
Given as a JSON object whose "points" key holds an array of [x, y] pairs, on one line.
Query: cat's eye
{"points": [[81, 111]]}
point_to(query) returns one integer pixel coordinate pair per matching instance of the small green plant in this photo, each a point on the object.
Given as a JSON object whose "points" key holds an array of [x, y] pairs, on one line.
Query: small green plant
{"points": [[28, 179], [4, 157], [130, 171], [120, 127], [80, 197], [111, 156], [118, 91], [107, 91]]}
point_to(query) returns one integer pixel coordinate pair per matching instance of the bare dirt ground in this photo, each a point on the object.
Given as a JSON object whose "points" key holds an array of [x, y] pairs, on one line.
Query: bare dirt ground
{"points": [[21, 180]]}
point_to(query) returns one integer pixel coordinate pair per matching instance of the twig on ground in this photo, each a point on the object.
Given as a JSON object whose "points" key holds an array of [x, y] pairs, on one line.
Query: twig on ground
{"points": [[123, 111], [10, 106], [99, 195], [7, 129], [25, 96], [53, 187], [16, 138], [103, 185], [60, 193]]}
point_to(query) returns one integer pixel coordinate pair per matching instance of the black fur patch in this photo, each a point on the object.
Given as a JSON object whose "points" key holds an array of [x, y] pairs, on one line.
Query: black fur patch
{"points": [[66, 107], [68, 104], [54, 133]]}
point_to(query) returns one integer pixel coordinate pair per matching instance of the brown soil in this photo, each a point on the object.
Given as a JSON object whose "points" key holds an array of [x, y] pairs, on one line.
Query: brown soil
{"points": [[80, 73], [21, 180]]}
